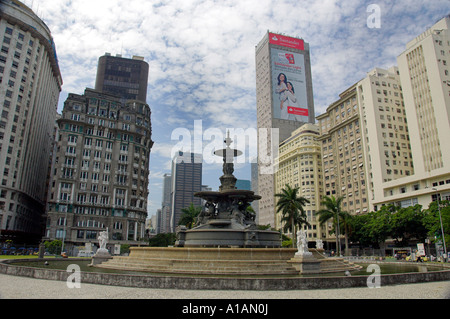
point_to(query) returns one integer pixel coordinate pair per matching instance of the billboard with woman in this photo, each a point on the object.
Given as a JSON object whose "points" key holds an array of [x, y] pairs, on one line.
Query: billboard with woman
{"points": [[289, 86]]}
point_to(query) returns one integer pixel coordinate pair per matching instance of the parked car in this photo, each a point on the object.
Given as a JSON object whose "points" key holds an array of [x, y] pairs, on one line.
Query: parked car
{"points": [[85, 253]]}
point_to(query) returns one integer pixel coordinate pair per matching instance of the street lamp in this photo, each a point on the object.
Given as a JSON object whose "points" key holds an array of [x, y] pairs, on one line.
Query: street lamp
{"points": [[440, 220]]}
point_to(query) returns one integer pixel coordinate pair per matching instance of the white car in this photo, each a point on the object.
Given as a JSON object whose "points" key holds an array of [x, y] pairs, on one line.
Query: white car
{"points": [[85, 253]]}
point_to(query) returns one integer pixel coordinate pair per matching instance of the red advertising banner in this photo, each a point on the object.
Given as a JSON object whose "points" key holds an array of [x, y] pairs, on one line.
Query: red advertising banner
{"points": [[297, 111], [288, 42]]}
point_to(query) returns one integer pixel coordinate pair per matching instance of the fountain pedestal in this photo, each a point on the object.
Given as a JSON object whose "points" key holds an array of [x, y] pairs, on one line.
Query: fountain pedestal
{"points": [[100, 256], [305, 264]]}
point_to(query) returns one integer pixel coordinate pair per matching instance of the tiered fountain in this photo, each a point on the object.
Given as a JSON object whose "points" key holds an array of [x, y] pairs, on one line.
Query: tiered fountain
{"points": [[225, 220]]}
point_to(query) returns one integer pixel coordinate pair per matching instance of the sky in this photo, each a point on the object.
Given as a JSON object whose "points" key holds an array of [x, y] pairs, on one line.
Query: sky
{"points": [[201, 56]]}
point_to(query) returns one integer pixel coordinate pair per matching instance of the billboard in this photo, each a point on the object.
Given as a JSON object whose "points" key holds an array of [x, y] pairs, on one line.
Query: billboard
{"points": [[285, 41], [289, 85]]}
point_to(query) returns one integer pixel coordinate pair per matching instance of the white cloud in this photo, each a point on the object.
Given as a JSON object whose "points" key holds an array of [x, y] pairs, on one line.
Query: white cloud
{"points": [[201, 53]]}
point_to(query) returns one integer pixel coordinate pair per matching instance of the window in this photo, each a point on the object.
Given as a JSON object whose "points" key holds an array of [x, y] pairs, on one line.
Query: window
{"points": [[60, 233]]}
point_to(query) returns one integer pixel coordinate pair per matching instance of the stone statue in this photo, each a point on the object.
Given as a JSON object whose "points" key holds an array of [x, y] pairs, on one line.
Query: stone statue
{"points": [[319, 244], [102, 253], [302, 244], [208, 211], [103, 240]]}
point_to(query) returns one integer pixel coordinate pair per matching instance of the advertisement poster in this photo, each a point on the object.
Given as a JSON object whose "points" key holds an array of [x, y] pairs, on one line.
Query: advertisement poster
{"points": [[289, 86]]}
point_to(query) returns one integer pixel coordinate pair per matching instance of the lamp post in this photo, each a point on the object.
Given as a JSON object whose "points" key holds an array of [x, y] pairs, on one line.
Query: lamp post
{"points": [[339, 236], [440, 220], [64, 232]]}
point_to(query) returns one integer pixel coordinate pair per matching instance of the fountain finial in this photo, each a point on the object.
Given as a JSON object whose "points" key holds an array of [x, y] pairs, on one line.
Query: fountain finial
{"points": [[228, 140], [227, 180]]}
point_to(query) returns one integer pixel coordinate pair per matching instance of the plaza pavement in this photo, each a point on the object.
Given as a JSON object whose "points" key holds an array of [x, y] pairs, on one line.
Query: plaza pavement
{"points": [[14, 287]]}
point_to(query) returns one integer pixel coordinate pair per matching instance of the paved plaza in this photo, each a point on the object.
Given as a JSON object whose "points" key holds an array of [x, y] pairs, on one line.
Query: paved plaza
{"points": [[14, 287]]}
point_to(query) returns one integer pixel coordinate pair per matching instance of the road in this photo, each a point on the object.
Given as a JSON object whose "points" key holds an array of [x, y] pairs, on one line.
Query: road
{"points": [[14, 287]]}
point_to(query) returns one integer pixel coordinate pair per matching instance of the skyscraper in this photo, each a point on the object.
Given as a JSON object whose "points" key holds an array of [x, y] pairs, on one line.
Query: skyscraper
{"points": [[164, 221], [284, 101], [124, 77], [186, 180], [30, 84], [101, 172]]}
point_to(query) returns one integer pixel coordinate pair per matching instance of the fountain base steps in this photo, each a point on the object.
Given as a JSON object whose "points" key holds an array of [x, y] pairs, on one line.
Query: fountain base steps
{"points": [[219, 261]]}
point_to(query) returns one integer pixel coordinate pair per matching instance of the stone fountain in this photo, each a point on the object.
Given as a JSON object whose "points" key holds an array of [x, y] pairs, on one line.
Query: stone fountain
{"points": [[225, 220]]}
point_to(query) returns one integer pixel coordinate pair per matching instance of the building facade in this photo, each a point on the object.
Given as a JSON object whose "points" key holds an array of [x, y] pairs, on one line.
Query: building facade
{"points": [[243, 184], [385, 130], [30, 84], [101, 171], [343, 157], [186, 180], [300, 165], [164, 220], [425, 77], [124, 77], [365, 140], [284, 101]]}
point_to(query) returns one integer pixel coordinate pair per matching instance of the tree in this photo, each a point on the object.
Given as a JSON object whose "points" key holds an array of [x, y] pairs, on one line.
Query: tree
{"points": [[432, 221], [332, 210], [292, 208], [53, 247], [189, 216], [407, 223], [379, 227], [162, 240]]}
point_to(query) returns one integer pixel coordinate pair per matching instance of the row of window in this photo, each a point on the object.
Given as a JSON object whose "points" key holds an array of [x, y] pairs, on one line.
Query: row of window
{"points": [[111, 115]]}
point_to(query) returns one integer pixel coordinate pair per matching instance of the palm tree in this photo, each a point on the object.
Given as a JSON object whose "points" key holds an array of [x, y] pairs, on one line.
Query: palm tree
{"points": [[333, 211], [189, 216], [291, 206]]}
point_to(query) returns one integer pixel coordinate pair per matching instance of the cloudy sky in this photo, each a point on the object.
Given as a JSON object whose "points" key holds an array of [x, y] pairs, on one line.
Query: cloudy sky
{"points": [[201, 55]]}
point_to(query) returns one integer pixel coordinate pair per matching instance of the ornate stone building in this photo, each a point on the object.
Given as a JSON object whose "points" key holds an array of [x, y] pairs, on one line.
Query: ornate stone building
{"points": [[101, 171]]}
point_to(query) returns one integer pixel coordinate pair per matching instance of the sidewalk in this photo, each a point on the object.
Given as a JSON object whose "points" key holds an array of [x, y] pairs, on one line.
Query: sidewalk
{"points": [[14, 287]]}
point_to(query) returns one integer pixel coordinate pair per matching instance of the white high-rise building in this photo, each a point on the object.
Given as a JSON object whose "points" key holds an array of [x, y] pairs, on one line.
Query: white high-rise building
{"points": [[365, 140], [425, 78], [30, 84]]}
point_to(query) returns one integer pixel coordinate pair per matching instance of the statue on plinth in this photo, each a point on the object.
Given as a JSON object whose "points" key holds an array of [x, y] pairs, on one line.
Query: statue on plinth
{"points": [[319, 244], [302, 244], [102, 253], [103, 240], [304, 260]]}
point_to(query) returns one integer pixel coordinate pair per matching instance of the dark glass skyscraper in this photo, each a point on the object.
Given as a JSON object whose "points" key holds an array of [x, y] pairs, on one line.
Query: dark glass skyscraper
{"points": [[186, 180], [123, 77]]}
